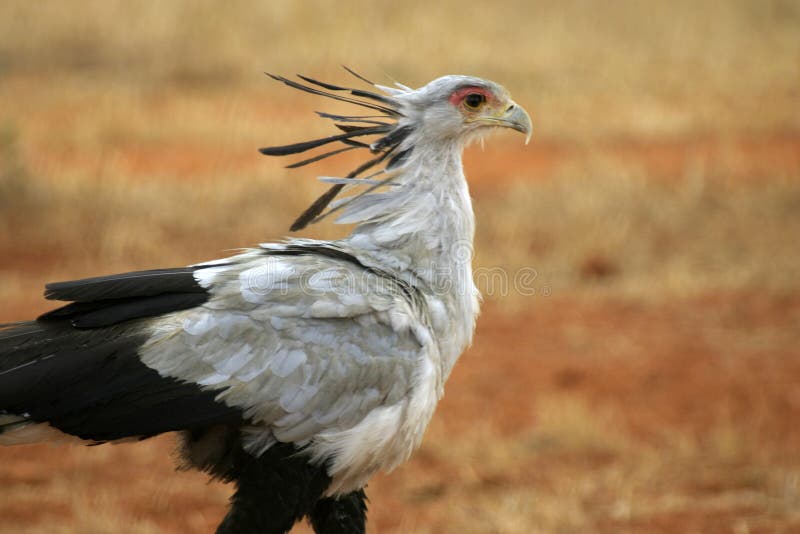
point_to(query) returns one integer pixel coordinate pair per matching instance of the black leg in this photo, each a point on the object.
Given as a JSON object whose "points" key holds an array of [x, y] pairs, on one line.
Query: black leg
{"points": [[343, 515], [273, 491]]}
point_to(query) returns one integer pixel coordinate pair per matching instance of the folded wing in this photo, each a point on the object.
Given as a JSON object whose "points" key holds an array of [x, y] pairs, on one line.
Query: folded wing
{"points": [[290, 341], [302, 341]]}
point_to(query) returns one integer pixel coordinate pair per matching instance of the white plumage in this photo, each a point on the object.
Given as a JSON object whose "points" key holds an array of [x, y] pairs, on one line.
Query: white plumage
{"points": [[339, 349]]}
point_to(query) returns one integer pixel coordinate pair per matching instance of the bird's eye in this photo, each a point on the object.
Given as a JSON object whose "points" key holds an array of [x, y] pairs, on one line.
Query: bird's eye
{"points": [[474, 100]]}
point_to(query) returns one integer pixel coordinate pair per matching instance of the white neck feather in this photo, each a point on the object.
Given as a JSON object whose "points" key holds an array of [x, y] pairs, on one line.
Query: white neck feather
{"points": [[423, 230]]}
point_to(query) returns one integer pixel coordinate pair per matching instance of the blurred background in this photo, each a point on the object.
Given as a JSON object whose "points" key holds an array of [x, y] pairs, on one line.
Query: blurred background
{"points": [[646, 380]]}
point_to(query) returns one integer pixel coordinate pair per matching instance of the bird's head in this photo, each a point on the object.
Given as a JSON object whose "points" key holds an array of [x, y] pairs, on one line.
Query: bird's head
{"points": [[448, 112], [460, 108]]}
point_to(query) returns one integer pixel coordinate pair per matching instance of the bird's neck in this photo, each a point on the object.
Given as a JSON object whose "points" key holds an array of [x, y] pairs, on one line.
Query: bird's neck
{"points": [[423, 229], [424, 223]]}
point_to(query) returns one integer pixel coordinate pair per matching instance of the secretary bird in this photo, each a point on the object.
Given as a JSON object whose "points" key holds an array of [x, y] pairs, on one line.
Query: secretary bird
{"points": [[295, 369]]}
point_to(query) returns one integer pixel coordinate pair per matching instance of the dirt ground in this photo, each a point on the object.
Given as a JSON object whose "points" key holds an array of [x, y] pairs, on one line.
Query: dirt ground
{"points": [[578, 416]]}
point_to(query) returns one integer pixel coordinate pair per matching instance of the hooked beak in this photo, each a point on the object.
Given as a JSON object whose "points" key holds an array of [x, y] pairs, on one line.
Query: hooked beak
{"points": [[516, 118]]}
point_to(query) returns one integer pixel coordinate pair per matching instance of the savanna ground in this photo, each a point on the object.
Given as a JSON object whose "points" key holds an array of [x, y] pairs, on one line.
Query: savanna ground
{"points": [[643, 375]]}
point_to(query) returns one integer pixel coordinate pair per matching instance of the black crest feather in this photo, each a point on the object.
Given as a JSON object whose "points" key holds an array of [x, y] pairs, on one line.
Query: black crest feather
{"points": [[353, 127]]}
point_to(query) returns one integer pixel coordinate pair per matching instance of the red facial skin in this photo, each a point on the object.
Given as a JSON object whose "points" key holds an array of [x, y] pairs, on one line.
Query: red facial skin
{"points": [[458, 96]]}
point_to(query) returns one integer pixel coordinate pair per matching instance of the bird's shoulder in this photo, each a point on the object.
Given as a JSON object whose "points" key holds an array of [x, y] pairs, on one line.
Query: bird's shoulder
{"points": [[304, 278], [302, 340]]}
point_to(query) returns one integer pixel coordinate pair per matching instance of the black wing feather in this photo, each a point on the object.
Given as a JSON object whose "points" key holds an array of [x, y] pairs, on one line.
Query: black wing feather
{"points": [[91, 384], [78, 367], [136, 308], [132, 284]]}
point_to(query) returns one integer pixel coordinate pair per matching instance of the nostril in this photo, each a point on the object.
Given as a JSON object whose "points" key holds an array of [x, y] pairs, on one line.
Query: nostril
{"points": [[509, 108]]}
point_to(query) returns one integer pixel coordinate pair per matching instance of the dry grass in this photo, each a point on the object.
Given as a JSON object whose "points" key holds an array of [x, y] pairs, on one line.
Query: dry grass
{"points": [[143, 122], [731, 59], [654, 390], [616, 232]]}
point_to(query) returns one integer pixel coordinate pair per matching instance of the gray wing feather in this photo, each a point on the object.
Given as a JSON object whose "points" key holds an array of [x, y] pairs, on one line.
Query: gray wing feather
{"points": [[302, 343]]}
